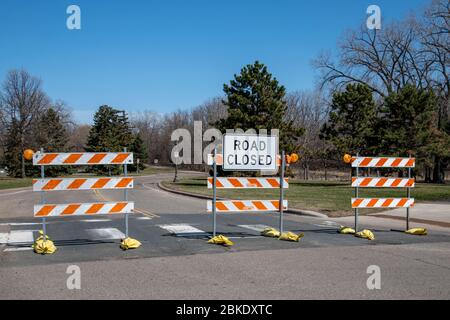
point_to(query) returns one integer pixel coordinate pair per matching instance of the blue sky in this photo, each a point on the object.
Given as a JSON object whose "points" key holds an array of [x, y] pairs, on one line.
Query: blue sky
{"points": [[169, 55]]}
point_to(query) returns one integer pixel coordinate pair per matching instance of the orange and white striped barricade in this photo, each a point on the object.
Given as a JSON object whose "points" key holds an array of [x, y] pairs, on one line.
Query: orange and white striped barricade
{"points": [[249, 183], [43, 185], [377, 182], [246, 205], [215, 182], [67, 184], [81, 158]]}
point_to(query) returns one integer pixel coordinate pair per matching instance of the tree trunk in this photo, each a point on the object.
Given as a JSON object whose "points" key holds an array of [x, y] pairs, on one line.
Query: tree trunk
{"points": [[438, 171]]}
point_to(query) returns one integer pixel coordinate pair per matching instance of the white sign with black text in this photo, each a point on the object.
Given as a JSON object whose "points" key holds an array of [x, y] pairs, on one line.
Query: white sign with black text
{"points": [[249, 152]]}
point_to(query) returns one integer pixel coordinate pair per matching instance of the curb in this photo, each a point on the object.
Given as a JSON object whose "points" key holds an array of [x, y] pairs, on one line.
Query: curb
{"points": [[199, 196]]}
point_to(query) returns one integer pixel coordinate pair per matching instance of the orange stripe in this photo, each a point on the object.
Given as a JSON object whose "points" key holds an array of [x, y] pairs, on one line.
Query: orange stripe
{"points": [[396, 182], [124, 182], [48, 158], [365, 162], [97, 158], [45, 211], [235, 183], [402, 202], [273, 182], [276, 204], [372, 203], [220, 206], [411, 162], [52, 184], [94, 208], [365, 182], [118, 207], [76, 184], [259, 205], [357, 202], [240, 205], [120, 158], [387, 202], [100, 183], [396, 162], [254, 182], [381, 182], [410, 182], [34, 181], [70, 209], [381, 162], [73, 158], [353, 180]]}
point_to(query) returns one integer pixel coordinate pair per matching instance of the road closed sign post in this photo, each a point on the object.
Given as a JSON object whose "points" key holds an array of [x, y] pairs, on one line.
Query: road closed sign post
{"points": [[245, 152], [242, 152]]}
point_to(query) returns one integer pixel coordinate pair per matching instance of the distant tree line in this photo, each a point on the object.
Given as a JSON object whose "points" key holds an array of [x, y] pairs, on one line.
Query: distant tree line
{"points": [[384, 92], [390, 91]]}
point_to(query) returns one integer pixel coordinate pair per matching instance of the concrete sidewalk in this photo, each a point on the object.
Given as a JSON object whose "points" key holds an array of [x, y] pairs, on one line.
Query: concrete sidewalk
{"points": [[429, 215]]}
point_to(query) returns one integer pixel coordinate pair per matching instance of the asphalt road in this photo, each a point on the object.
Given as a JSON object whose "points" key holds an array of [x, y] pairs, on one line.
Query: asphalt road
{"points": [[175, 261]]}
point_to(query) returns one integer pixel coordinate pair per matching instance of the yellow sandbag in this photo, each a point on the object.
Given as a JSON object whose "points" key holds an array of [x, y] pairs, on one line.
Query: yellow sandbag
{"points": [[220, 239], [417, 231], [290, 236], [129, 243], [270, 232], [43, 247], [346, 230], [365, 234]]}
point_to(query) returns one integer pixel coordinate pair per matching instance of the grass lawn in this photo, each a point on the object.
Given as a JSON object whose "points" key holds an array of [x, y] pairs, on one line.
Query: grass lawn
{"points": [[10, 183], [331, 198]]}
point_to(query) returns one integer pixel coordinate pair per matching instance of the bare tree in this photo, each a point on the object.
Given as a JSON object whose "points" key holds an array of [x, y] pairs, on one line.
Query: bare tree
{"points": [[308, 110], [21, 103]]}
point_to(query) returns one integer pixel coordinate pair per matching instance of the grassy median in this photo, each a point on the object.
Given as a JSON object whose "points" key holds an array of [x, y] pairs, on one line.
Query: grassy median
{"points": [[11, 183], [331, 198]]}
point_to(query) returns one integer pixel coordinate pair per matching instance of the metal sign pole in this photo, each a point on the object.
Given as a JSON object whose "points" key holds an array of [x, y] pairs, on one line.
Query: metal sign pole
{"points": [[214, 190], [408, 193], [44, 227], [125, 172], [283, 164], [357, 196]]}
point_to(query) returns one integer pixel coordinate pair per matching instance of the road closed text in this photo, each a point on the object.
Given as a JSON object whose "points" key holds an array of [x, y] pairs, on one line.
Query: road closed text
{"points": [[245, 152]]}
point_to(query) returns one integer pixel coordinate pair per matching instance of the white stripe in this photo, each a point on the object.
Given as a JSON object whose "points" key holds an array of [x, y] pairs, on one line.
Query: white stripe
{"points": [[181, 229], [95, 220], [254, 227], [4, 238], [143, 218], [19, 223], [21, 236], [18, 249], [105, 234]]}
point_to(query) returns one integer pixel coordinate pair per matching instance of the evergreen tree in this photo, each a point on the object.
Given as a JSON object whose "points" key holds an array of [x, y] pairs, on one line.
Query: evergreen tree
{"points": [[110, 133], [409, 123], [52, 136], [352, 120], [139, 152], [255, 100]]}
